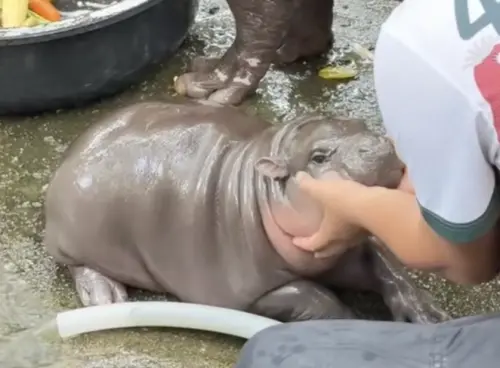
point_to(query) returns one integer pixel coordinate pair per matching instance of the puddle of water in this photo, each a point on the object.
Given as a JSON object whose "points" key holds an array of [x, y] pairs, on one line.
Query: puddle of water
{"points": [[33, 289]]}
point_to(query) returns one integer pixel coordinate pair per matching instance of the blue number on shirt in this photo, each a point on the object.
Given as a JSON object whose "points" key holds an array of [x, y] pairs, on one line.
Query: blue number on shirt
{"points": [[468, 29]]}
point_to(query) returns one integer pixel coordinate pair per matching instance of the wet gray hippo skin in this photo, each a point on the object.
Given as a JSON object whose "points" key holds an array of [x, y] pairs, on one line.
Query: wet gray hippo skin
{"points": [[267, 31], [196, 200]]}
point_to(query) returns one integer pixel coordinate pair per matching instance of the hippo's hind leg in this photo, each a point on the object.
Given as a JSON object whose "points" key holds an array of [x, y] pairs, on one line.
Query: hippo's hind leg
{"points": [[406, 301], [96, 289], [261, 26], [301, 300], [310, 33], [92, 287]]}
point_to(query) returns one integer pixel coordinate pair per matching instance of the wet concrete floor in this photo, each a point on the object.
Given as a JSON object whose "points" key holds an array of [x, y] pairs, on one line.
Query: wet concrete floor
{"points": [[33, 288]]}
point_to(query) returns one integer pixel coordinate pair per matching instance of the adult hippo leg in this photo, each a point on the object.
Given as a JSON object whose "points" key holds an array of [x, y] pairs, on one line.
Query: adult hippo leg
{"points": [[310, 33], [301, 300], [261, 26], [370, 268], [96, 289]]}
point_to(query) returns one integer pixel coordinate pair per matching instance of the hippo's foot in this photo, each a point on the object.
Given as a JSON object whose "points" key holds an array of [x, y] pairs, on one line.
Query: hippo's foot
{"points": [[96, 289], [301, 300], [406, 301], [310, 33], [370, 267], [227, 81], [261, 27], [411, 304]]}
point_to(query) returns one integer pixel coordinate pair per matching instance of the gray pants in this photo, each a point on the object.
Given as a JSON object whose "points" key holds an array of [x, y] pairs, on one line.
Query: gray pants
{"points": [[471, 342]]}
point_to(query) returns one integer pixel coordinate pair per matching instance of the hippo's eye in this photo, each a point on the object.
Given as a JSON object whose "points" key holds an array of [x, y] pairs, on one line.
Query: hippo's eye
{"points": [[319, 157]]}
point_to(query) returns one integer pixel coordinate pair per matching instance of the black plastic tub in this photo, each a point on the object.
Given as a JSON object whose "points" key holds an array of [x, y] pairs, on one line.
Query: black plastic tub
{"points": [[90, 56]]}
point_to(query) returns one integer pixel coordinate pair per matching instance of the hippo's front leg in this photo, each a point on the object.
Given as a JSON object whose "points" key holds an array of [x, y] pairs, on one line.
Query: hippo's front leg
{"points": [[301, 300], [96, 289], [405, 300], [261, 26]]}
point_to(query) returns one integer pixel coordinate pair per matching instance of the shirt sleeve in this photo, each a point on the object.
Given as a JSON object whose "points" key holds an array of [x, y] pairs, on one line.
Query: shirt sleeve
{"points": [[438, 133]]}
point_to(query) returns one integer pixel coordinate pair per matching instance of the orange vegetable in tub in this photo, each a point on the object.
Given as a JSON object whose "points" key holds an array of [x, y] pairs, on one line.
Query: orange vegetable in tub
{"points": [[45, 9]]}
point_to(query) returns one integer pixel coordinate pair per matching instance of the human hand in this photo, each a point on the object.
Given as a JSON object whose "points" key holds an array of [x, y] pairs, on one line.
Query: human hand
{"points": [[337, 230]]}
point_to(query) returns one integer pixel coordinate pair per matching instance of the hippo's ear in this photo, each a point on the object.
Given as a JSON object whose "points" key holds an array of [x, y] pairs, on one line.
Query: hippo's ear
{"points": [[274, 168]]}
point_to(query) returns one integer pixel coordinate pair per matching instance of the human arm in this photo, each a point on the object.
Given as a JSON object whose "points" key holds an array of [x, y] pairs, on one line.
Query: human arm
{"points": [[482, 269], [395, 218]]}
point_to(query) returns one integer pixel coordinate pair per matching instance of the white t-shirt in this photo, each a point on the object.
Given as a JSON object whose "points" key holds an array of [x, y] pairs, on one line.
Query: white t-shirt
{"points": [[437, 77]]}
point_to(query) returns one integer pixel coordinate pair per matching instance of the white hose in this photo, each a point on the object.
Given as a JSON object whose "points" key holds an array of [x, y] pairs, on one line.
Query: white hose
{"points": [[160, 314]]}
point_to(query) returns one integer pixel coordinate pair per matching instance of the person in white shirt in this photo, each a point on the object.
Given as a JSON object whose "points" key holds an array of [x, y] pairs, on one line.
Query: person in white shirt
{"points": [[437, 80]]}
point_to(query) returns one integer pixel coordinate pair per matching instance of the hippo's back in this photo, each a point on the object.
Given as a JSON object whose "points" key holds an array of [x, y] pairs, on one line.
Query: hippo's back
{"points": [[147, 118], [136, 196]]}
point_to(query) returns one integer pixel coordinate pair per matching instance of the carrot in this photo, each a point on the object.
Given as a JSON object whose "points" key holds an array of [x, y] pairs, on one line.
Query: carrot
{"points": [[45, 9]]}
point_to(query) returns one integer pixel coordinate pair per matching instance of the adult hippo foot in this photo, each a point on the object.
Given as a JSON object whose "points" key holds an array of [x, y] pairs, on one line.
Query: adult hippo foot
{"points": [[301, 300], [266, 31], [96, 289], [227, 81]]}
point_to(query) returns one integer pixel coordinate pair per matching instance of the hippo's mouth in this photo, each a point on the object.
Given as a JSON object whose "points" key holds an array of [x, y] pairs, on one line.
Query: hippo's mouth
{"points": [[389, 179]]}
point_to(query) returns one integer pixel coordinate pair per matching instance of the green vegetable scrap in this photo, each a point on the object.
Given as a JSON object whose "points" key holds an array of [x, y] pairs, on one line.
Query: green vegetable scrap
{"points": [[338, 72], [37, 18]]}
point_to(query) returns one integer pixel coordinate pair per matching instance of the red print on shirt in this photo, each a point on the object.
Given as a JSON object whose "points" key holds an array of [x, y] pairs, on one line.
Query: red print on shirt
{"points": [[487, 76]]}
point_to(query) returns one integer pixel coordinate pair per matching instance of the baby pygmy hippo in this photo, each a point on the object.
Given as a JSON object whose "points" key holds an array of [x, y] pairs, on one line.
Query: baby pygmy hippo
{"points": [[197, 200]]}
